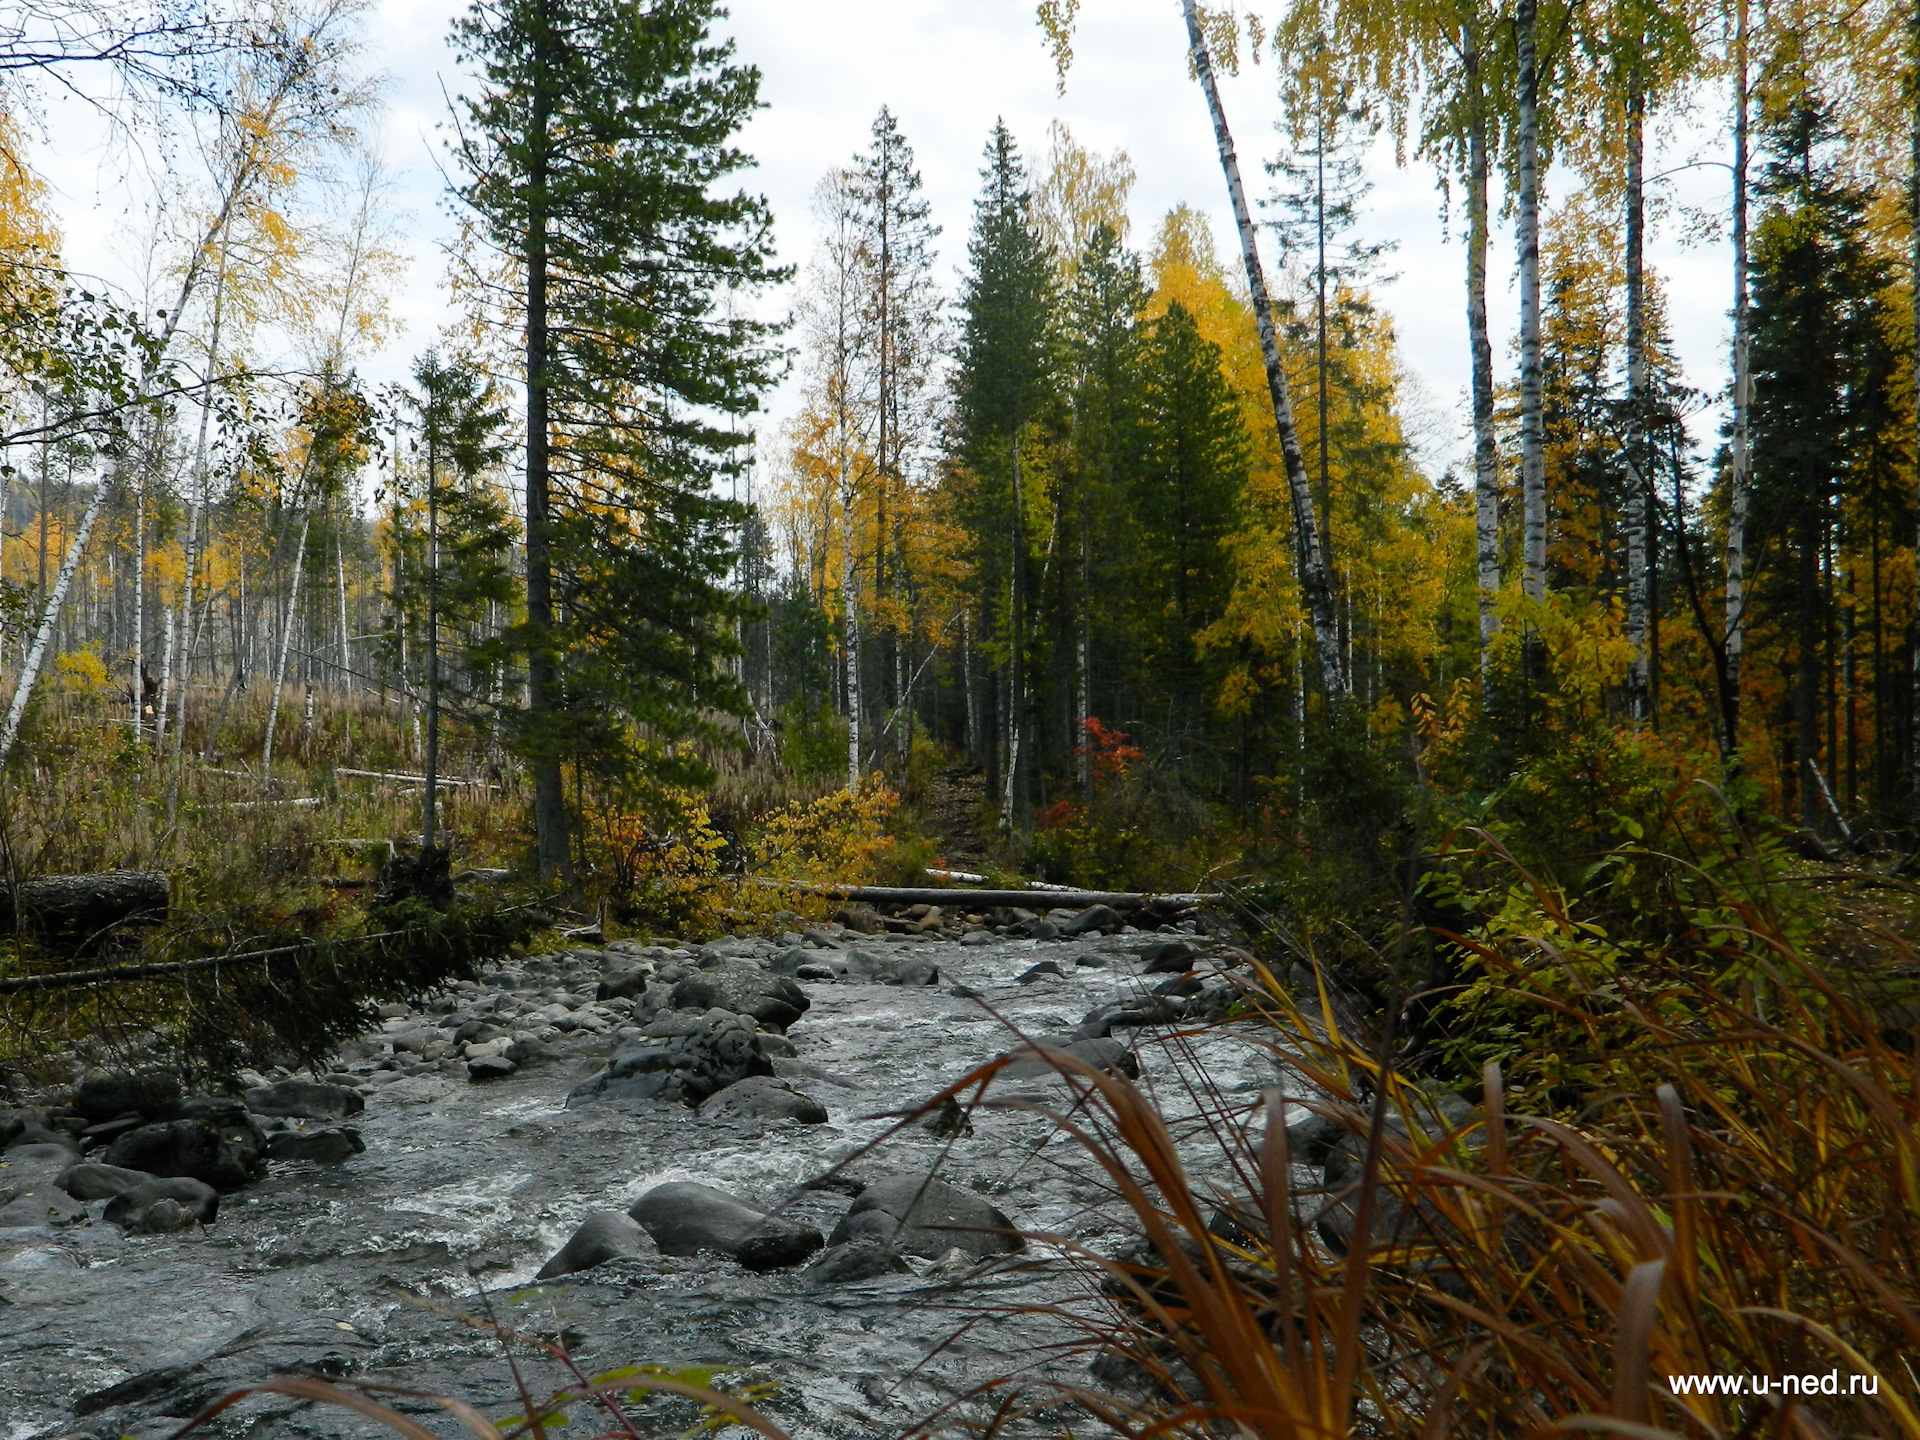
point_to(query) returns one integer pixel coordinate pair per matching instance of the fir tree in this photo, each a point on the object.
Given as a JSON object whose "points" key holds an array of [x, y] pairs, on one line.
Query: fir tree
{"points": [[1820, 372], [456, 573], [1006, 380], [1188, 496], [596, 152]]}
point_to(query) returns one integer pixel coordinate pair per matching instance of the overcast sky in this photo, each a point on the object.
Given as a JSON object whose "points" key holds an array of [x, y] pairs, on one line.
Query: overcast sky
{"points": [[948, 68]]}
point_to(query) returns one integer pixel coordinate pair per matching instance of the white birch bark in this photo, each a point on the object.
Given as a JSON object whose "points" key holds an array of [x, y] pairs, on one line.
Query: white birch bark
{"points": [[1533, 460], [278, 679], [37, 652], [1315, 585]]}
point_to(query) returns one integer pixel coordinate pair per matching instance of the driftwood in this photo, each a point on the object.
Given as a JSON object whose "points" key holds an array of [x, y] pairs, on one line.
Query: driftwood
{"points": [[450, 781], [71, 911], [975, 899]]}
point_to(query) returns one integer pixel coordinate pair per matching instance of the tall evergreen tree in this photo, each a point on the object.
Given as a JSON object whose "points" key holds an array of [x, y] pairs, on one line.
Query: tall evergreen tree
{"points": [[1104, 345], [456, 570], [1188, 496], [1820, 372], [597, 147], [899, 340], [1006, 380]]}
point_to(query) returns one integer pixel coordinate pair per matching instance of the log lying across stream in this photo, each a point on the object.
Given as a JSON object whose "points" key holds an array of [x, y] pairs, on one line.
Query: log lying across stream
{"points": [[973, 899], [70, 911]]}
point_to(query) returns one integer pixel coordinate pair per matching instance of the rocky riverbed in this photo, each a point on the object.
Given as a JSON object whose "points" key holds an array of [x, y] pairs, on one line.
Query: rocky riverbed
{"points": [[464, 1145]]}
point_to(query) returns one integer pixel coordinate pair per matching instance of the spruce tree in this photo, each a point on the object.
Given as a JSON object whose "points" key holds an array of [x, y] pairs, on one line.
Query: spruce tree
{"points": [[1188, 497], [1820, 372], [1104, 344], [597, 149], [456, 549], [1006, 380]]}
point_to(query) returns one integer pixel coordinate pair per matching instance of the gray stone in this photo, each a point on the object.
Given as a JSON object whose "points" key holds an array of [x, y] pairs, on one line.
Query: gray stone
{"points": [[99, 1182], [977, 937], [1103, 918], [306, 1100], [490, 1067], [763, 1097], [934, 1217], [915, 974], [1169, 957], [1101, 1053], [330, 1146], [685, 1218], [105, 1095], [603, 1236], [162, 1206], [215, 1141], [849, 1264], [684, 1068], [1034, 973], [1043, 930], [772, 1000]]}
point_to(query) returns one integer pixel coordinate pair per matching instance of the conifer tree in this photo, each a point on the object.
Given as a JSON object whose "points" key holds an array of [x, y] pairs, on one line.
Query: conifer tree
{"points": [[1103, 348], [1187, 494], [1006, 379], [596, 149], [1821, 370], [457, 564]]}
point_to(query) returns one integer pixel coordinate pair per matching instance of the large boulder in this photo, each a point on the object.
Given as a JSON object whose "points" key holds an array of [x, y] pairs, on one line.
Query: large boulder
{"points": [[930, 1217], [685, 1218], [306, 1100], [108, 1094], [1103, 919], [1041, 1059], [683, 1069], [30, 1192], [773, 1001], [331, 1146], [162, 1206], [607, 1235], [763, 1097], [214, 1140], [99, 1182]]}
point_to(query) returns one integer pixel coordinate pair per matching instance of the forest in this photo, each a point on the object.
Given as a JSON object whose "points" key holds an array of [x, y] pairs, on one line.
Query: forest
{"points": [[1576, 772]]}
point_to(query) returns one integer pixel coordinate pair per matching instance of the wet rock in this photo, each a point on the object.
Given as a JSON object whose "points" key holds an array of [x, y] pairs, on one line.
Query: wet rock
{"points": [[30, 1192], [162, 1206], [1169, 957], [1136, 1014], [1042, 930], [790, 960], [933, 1217], [330, 1146], [1103, 919], [1102, 1053], [816, 972], [977, 937], [772, 1000], [603, 1236], [682, 1068], [915, 973], [99, 1182], [490, 1067], [306, 1100], [215, 1141], [1090, 960], [33, 1136], [624, 984], [763, 1097], [105, 1095], [820, 939], [949, 1121], [1034, 973], [857, 915], [849, 1264], [685, 1218]]}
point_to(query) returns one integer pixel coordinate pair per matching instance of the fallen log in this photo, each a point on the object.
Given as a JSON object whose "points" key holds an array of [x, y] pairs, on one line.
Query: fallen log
{"points": [[975, 899], [71, 911]]}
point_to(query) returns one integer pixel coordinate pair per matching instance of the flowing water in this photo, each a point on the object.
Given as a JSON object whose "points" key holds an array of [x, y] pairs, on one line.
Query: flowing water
{"points": [[367, 1268]]}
